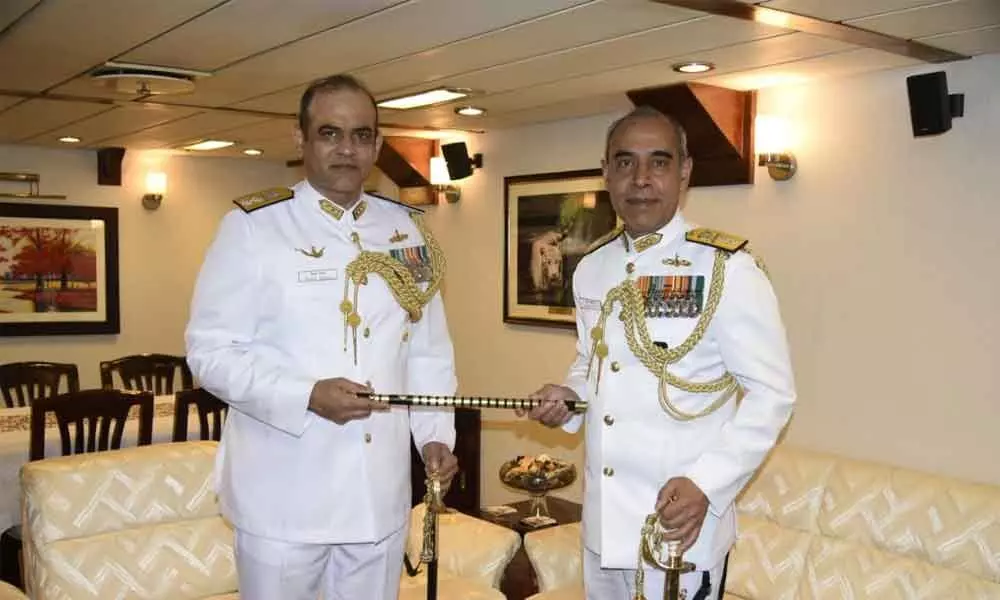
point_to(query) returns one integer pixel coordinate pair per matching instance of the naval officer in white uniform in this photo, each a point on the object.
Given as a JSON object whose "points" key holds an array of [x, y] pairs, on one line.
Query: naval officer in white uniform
{"points": [[683, 358], [307, 297]]}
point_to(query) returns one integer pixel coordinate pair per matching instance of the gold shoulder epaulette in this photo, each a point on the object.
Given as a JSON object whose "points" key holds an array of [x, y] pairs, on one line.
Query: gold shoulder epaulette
{"points": [[252, 202], [605, 239], [716, 239], [397, 202]]}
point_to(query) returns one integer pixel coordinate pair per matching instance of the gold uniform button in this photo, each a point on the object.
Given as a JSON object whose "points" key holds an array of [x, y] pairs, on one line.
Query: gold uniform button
{"points": [[355, 237], [630, 268], [615, 367], [609, 472], [406, 335], [609, 420], [367, 332], [368, 438]]}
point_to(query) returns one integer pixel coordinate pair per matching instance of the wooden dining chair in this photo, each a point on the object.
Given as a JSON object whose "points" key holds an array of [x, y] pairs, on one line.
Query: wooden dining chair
{"points": [[147, 372], [23, 382], [208, 405], [88, 421]]}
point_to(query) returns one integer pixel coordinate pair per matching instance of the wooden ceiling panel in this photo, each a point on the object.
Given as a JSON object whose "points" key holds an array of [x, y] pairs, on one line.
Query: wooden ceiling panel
{"points": [[11, 10], [285, 101], [398, 31], [751, 55], [934, 20], [257, 132], [846, 9], [840, 64], [188, 129], [34, 117], [576, 26], [685, 41], [6, 101], [984, 40], [123, 120], [234, 31], [59, 40]]}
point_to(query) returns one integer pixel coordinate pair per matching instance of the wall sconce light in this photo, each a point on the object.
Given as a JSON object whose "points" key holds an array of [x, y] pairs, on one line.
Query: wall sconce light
{"points": [[442, 181], [156, 186], [773, 137]]}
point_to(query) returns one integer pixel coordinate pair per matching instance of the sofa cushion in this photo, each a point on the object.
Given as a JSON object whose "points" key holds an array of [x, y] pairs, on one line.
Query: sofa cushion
{"points": [[768, 561], [468, 547], [9, 592], [186, 559], [455, 588], [943, 522], [89, 494]]}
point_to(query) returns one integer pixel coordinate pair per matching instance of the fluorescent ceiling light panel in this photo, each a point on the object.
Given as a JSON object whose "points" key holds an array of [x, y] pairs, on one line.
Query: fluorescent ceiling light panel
{"points": [[209, 145], [427, 98]]}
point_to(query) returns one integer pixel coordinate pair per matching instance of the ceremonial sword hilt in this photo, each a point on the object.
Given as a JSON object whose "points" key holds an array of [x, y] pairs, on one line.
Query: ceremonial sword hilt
{"points": [[671, 561]]}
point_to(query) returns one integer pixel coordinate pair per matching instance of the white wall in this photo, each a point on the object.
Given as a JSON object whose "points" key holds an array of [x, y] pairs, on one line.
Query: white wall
{"points": [[160, 251], [882, 249]]}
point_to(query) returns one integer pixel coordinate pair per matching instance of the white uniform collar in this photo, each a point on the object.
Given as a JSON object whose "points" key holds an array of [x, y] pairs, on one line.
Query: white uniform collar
{"points": [[675, 228], [312, 197]]}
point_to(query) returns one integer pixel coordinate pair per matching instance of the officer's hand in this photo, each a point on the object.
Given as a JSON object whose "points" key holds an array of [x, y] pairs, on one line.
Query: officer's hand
{"points": [[337, 400], [552, 411], [682, 507], [439, 462]]}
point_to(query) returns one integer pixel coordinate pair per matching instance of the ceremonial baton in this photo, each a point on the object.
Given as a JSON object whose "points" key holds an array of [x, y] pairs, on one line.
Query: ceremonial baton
{"points": [[475, 402]]}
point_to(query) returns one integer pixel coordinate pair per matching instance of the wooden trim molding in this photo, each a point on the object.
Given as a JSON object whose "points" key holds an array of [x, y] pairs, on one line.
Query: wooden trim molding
{"points": [[819, 27]]}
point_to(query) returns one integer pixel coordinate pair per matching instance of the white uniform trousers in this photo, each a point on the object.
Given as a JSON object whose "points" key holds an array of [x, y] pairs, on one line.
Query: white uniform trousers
{"points": [[274, 570], [619, 584]]}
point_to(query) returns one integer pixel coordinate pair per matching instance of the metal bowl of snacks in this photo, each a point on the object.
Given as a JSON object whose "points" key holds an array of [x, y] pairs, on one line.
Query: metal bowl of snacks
{"points": [[537, 475]]}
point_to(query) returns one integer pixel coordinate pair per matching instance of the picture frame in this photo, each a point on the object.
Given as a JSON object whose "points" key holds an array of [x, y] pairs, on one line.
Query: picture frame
{"points": [[550, 220], [58, 270]]}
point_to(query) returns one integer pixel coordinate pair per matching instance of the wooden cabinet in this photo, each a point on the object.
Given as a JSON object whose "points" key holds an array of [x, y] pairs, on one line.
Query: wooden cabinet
{"points": [[464, 493]]}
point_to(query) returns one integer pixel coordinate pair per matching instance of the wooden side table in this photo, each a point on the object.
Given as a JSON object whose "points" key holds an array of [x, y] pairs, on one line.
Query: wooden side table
{"points": [[519, 580]]}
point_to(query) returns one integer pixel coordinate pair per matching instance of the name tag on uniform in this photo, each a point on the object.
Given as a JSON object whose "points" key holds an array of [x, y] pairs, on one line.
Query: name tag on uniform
{"points": [[587, 303], [317, 275]]}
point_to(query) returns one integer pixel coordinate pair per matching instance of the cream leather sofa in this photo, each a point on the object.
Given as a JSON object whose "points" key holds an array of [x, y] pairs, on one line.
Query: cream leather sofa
{"points": [[144, 523], [815, 526], [9, 592]]}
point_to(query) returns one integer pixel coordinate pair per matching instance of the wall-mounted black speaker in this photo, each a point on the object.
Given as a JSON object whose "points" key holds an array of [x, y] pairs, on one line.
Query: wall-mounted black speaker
{"points": [[109, 166], [931, 107], [460, 164]]}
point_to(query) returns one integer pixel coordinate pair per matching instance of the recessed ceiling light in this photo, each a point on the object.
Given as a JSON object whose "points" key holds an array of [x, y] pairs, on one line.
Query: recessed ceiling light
{"points": [[253, 152], [69, 139], [209, 145], [693, 67], [471, 111], [435, 96]]}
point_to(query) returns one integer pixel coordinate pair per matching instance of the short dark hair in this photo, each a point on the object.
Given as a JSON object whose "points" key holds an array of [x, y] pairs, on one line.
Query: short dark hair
{"points": [[331, 83], [645, 111]]}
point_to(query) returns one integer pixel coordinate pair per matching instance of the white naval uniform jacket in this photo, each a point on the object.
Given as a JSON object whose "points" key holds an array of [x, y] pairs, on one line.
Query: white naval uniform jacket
{"points": [[632, 445], [266, 325]]}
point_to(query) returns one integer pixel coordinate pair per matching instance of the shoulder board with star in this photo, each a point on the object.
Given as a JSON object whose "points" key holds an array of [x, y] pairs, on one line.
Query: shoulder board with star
{"points": [[396, 202], [604, 240], [716, 239], [268, 197]]}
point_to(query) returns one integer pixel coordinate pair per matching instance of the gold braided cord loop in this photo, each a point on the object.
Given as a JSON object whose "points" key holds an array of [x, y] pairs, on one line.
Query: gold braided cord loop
{"points": [[398, 277], [656, 359]]}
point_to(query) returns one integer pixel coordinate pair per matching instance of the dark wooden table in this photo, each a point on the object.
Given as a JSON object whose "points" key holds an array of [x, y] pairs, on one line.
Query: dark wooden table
{"points": [[519, 579]]}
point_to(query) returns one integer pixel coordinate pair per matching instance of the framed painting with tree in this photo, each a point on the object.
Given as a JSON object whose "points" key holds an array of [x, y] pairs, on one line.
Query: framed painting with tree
{"points": [[58, 270]]}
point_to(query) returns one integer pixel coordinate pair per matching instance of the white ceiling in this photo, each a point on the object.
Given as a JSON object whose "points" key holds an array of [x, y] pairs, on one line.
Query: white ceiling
{"points": [[527, 60]]}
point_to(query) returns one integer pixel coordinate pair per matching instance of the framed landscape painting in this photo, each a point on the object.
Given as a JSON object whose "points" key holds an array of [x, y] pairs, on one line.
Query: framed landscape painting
{"points": [[550, 221], [58, 269]]}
